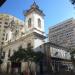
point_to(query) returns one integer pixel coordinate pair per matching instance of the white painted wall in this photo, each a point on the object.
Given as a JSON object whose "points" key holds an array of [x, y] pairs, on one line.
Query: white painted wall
{"points": [[10, 36], [26, 22], [34, 16], [37, 42], [61, 53]]}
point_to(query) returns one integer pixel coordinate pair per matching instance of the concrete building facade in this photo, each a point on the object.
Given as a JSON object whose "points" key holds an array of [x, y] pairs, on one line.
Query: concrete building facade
{"points": [[63, 33], [57, 57], [10, 28]]}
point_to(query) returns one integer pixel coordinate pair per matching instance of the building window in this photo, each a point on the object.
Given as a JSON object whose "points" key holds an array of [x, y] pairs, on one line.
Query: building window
{"points": [[28, 45], [0, 22], [9, 53], [39, 23], [6, 22], [4, 30], [2, 38], [2, 43], [3, 54], [6, 36], [3, 34], [29, 23]]}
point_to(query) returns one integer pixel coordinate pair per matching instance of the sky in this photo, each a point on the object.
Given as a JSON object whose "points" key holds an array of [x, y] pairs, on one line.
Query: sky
{"points": [[55, 10]]}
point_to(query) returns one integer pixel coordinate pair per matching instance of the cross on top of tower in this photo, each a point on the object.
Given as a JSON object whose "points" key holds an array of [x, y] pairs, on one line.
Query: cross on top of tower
{"points": [[34, 5]]}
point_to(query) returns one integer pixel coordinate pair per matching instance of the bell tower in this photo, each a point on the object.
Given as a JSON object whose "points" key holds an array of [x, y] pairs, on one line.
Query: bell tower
{"points": [[34, 22]]}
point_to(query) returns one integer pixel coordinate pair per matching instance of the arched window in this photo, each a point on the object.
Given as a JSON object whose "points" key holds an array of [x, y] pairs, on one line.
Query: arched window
{"points": [[29, 23], [39, 23], [6, 36], [9, 53], [29, 45]]}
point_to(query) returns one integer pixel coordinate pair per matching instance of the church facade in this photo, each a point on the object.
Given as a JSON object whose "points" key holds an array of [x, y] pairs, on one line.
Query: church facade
{"points": [[15, 33]]}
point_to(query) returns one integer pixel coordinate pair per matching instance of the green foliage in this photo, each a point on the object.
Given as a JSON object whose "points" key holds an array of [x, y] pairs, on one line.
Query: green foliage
{"points": [[73, 54], [38, 56], [18, 55], [26, 55], [72, 1]]}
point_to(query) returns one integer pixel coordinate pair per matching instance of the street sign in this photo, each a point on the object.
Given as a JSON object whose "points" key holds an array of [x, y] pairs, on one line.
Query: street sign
{"points": [[2, 2]]}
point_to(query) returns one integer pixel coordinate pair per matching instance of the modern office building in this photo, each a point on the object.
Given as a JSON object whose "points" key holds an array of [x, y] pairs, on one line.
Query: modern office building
{"points": [[63, 33]]}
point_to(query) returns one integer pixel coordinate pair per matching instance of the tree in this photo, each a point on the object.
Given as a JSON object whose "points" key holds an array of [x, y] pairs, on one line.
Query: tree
{"points": [[39, 59], [73, 56], [2, 2], [73, 2], [27, 55], [34, 56], [17, 57]]}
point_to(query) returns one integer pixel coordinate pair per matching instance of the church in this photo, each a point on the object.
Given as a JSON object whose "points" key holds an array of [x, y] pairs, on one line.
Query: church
{"points": [[15, 33]]}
